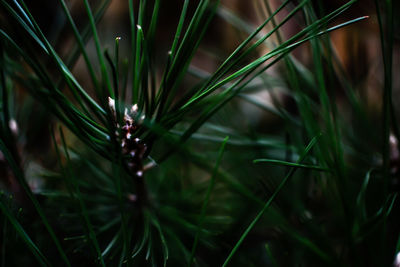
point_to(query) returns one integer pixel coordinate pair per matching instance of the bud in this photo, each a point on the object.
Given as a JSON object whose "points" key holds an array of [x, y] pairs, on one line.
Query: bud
{"points": [[132, 147]]}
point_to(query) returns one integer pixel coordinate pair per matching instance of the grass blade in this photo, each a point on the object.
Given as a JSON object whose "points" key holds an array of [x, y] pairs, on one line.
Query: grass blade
{"points": [[21, 179], [24, 236], [292, 164], [206, 200], [268, 203], [104, 73], [91, 235]]}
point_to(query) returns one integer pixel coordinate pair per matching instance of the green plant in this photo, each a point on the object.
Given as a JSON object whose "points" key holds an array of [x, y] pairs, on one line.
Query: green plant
{"points": [[134, 181]]}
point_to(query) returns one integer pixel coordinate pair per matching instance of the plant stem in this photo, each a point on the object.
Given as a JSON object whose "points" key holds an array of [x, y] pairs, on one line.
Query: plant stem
{"points": [[141, 191]]}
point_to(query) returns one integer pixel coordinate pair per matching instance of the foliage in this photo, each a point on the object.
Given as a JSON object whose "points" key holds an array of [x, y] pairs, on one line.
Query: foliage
{"points": [[152, 162]]}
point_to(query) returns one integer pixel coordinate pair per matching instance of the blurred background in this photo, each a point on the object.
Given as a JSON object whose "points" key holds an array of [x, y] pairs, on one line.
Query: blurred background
{"points": [[306, 220]]}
